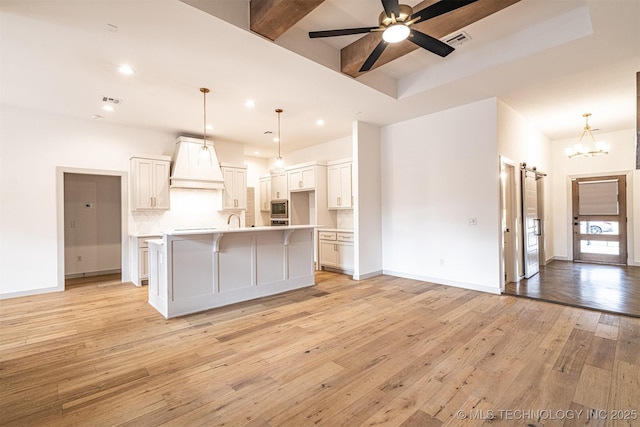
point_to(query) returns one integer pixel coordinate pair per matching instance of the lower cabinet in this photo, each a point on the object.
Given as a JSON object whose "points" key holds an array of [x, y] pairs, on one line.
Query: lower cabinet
{"points": [[336, 249], [140, 259]]}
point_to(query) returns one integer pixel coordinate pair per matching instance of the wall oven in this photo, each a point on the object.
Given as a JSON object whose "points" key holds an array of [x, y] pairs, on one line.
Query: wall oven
{"points": [[279, 209]]}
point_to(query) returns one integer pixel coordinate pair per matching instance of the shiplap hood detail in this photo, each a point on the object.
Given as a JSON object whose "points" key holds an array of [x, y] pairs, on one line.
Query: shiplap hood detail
{"points": [[190, 170]]}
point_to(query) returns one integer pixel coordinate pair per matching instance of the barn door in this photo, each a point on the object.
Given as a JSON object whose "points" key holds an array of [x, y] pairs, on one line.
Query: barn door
{"points": [[532, 227]]}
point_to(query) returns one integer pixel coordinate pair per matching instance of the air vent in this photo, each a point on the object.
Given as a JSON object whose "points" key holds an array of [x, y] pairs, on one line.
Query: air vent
{"points": [[456, 39], [113, 101]]}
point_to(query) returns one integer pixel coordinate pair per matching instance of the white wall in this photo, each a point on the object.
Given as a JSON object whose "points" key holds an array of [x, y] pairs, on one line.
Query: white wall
{"points": [[619, 161], [521, 142], [438, 171], [330, 150], [32, 145], [366, 187]]}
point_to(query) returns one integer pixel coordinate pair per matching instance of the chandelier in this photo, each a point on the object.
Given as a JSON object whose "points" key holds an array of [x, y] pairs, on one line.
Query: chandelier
{"points": [[590, 148]]}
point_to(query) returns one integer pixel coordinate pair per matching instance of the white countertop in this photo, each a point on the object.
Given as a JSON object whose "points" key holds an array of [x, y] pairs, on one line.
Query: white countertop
{"points": [[338, 230], [187, 232]]}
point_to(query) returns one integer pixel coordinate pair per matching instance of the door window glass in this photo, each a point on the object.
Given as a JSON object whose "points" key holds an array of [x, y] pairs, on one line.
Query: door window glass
{"points": [[599, 227], [599, 247]]}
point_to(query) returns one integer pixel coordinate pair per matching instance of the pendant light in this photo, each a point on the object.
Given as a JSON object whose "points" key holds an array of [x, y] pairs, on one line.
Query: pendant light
{"points": [[590, 148], [279, 161], [205, 152]]}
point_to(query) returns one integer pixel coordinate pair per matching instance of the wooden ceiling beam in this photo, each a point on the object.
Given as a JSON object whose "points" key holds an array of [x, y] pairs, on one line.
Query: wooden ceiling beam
{"points": [[271, 18], [353, 56]]}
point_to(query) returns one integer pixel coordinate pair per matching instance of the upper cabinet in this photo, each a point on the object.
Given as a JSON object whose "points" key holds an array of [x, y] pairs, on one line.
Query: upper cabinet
{"points": [[339, 183], [265, 193], [235, 187], [150, 182], [302, 179], [279, 187]]}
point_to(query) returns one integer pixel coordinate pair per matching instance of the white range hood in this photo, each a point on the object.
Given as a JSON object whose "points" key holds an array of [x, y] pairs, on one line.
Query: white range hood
{"points": [[191, 169]]}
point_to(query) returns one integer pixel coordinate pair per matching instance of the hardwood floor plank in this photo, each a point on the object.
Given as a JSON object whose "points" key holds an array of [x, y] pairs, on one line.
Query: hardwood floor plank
{"points": [[383, 351]]}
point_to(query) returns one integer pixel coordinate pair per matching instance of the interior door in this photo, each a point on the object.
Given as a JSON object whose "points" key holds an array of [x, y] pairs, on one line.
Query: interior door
{"points": [[530, 223], [599, 219]]}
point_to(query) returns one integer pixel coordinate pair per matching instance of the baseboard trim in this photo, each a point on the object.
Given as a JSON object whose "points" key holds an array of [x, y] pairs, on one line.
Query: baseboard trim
{"points": [[93, 273], [30, 292], [367, 275], [437, 281]]}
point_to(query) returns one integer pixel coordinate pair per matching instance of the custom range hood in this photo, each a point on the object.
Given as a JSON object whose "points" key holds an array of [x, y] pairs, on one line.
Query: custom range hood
{"points": [[193, 167]]}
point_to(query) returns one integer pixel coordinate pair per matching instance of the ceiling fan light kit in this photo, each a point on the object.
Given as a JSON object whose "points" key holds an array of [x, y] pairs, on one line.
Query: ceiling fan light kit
{"points": [[593, 149], [395, 22]]}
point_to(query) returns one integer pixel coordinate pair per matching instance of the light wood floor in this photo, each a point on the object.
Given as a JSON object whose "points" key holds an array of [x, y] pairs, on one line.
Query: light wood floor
{"points": [[383, 351], [611, 288]]}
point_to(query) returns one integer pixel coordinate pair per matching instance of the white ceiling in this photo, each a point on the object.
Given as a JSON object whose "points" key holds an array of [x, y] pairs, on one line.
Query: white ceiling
{"points": [[551, 60]]}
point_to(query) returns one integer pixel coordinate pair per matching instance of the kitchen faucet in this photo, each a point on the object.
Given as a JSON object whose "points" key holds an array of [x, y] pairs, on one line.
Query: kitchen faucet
{"points": [[232, 215]]}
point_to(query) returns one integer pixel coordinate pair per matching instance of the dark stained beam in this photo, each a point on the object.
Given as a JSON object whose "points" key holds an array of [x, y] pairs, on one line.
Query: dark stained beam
{"points": [[353, 56], [271, 18]]}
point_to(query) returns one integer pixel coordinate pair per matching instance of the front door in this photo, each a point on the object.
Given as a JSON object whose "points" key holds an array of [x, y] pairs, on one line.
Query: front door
{"points": [[599, 219], [531, 223]]}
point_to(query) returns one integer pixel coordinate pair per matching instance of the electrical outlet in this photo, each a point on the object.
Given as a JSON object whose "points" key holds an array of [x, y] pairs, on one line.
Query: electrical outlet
{"points": [[79, 258], [472, 221], [441, 261]]}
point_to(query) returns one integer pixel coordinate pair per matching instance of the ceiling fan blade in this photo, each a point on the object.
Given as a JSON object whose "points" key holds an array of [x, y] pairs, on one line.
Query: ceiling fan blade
{"points": [[374, 56], [343, 32], [431, 44], [439, 8], [391, 6]]}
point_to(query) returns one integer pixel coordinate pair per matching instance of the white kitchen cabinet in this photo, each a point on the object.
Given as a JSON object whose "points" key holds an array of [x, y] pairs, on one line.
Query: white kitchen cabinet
{"points": [[279, 185], [339, 185], [265, 194], [336, 249], [302, 179], [140, 258], [150, 183], [235, 187]]}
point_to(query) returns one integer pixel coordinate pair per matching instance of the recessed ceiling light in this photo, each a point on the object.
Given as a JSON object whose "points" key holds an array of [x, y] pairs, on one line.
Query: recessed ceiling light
{"points": [[276, 139], [249, 103], [126, 69], [256, 152], [107, 107], [97, 117], [209, 127], [320, 122]]}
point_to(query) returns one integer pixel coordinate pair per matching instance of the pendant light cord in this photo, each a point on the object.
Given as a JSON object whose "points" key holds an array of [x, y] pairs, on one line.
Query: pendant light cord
{"points": [[204, 91]]}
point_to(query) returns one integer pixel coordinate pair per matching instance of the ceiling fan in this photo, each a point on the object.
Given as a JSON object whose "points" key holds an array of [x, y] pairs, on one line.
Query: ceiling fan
{"points": [[395, 22]]}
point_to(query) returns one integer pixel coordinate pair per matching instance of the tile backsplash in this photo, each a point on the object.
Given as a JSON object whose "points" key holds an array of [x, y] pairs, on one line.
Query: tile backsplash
{"points": [[189, 209]]}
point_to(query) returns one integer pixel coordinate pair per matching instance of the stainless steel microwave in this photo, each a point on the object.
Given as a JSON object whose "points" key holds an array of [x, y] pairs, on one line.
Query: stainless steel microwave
{"points": [[279, 209]]}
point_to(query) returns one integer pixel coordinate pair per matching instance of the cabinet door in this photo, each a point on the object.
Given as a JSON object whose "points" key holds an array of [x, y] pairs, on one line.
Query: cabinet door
{"points": [[265, 195], [279, 186], [228, 201], [143, 262], [302, 179], [328, 254], [339, 186], [142, 184], [235, 188], [334, 190], [345, 186], [161, 184], [241, 189]]}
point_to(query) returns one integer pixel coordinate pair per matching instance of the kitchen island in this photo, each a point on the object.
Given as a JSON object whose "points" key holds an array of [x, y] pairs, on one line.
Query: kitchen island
{"points": [[195, 270]]}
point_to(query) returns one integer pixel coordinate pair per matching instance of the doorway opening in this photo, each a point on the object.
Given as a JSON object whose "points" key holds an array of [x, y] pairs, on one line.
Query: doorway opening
{"points": [[509, 220], [599, 207], [92, 225]]}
